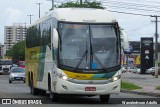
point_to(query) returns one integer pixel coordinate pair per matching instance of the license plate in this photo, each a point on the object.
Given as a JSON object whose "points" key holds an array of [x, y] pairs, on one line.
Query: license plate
{"points": [[90, 89], [18, 78]]}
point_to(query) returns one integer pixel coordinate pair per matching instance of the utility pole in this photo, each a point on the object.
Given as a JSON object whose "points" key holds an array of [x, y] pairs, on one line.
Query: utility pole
{"points": [[156, 45], [52, 4], [25, 26], [80, 2], [30, 17], [39, 9]]}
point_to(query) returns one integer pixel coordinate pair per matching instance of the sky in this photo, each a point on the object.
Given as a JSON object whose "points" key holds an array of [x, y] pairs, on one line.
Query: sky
{"points": [[136, 26]]}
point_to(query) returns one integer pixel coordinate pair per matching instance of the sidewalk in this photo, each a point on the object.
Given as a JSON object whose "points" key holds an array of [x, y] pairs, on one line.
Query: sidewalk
{"points": [[146, 81]]}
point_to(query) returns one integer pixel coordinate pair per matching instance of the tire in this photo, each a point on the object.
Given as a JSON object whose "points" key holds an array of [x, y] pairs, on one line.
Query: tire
{"points": [[10, 81], [33, 90], [53, 96], [24, 81], [104, 98], [42, 92]]}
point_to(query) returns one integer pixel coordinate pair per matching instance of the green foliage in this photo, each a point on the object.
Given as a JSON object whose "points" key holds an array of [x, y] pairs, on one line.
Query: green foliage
{"points": [[9, 53], [158, 87], [129, 86], [93, 4], [17, 52]]}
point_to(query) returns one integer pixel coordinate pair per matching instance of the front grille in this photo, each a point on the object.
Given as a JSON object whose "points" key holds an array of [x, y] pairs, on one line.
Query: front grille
{"points": [[18, 78], [5, 69]]}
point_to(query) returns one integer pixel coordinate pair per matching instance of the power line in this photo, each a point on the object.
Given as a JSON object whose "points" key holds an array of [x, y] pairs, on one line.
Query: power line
{"points": [[129, 13], [137, 29], [132, 4], [150, 2], [130, 8]]}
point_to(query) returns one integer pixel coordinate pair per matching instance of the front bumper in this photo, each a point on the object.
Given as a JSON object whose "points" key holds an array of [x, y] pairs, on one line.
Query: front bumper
{"points": [[17, 78], [66, 87]]}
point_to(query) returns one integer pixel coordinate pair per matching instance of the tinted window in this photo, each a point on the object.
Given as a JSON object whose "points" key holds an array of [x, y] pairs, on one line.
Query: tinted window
{"points": [[6, 62], [18, 70]]}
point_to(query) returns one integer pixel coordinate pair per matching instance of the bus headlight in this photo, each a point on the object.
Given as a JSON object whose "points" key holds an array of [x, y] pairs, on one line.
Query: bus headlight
{"points": [[116, 78], [62, 76]]}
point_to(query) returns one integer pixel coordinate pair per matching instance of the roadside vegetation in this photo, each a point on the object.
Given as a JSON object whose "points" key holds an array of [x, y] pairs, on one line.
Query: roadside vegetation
{"points": [[129, 86], [158, 88], [86, 4], [17, 52]]}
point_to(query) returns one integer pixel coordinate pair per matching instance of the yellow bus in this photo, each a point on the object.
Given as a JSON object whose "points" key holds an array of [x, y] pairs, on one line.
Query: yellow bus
{"points": [[74, 51]]}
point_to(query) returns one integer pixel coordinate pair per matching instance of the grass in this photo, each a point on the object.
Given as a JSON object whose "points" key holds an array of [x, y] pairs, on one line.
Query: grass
{"points": [[158, 87], [129, 86]]}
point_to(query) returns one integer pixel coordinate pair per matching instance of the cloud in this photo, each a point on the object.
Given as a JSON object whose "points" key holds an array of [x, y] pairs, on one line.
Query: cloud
{"points": [[13, 15]]}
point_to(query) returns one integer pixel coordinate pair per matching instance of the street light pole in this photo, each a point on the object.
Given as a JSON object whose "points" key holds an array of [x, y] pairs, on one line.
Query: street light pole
{"points": [[52, 4], [30, 17], [39, 9], [156, 45], [80, 2]]}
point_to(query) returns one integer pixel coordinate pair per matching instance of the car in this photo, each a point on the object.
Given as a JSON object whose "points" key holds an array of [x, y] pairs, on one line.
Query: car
{"points": [[123, 69], [153, 72], [150, 70], [21, 64], [134, 70], [17, 74], [14, 65]]}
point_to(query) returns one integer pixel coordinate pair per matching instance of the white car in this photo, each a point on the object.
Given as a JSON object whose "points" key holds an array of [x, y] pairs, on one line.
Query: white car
{"points": [[150, 70], [17, 74], [123, 69], [134, 70]]}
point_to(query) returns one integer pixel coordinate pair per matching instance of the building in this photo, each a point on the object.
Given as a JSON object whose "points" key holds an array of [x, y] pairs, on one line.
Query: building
{"points": [[135, 54], [13, 34], [1, 50]]}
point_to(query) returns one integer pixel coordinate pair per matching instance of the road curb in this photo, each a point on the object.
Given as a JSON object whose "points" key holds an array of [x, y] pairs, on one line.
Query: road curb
{"points": [[141, 93]]}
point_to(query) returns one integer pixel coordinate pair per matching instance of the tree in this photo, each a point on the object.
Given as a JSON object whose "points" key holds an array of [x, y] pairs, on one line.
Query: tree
{"points": [[17, 52], [93, 4]]}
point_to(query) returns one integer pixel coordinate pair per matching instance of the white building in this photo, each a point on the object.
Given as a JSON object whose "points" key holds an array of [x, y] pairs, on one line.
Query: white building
{"points": [[1, 49], [13, 34]]}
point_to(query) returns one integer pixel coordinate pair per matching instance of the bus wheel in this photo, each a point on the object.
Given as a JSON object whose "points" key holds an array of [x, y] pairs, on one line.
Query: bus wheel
{"points": [[42, 92], [104, 98], [54, 96], [33, 90]]}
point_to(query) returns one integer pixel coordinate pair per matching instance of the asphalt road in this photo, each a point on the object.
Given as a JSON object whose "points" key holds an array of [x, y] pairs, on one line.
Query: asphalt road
{"points": [[21, 90]]}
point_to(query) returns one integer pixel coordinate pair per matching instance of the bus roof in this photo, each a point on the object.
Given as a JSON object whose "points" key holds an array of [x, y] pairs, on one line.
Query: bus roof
{"points": [[79, 15]]}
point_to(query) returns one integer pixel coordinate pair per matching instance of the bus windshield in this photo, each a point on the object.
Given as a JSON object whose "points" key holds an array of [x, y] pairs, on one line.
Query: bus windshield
{"points": [[87, 46]]}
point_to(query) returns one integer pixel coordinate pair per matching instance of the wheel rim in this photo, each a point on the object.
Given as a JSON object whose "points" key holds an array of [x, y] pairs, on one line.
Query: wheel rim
{"points": [[51, 95]]}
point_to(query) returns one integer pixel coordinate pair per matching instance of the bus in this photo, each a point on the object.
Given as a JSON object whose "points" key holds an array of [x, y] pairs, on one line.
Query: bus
{"points": [[5, 66], [74, 51]]}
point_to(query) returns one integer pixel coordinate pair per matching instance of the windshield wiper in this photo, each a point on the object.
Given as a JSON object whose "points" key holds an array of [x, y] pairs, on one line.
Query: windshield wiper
{"points": [[93, 55], [80, 61]]}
